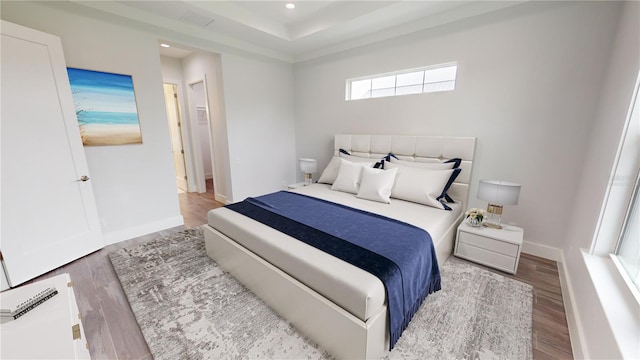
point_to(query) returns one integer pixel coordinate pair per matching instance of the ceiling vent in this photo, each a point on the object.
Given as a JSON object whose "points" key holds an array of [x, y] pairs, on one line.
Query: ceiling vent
{"points": [[196, 19]]}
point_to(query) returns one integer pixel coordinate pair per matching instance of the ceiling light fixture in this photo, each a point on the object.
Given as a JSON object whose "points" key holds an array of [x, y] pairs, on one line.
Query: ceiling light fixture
{"points": [[290, 6], [165, 45]]}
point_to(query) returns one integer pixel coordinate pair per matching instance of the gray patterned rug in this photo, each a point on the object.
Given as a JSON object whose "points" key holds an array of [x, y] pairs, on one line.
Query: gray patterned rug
{"points": [[188, 308]]}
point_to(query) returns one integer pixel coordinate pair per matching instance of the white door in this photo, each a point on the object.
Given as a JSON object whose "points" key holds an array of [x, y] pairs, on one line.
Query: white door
{"points": [[47, 207], [175, 127], [201, 133]]}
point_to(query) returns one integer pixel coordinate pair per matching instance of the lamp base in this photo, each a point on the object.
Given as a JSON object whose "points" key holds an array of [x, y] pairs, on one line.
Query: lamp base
{"points": [[494, 213]]}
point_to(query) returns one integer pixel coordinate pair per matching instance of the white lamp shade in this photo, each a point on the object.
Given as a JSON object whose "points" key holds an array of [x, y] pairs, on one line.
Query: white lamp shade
{"points": [[499, 192], [308, 166]]}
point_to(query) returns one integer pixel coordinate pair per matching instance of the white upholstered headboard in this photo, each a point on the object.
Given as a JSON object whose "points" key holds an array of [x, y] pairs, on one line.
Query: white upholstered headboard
{"points": [[416, 148]]}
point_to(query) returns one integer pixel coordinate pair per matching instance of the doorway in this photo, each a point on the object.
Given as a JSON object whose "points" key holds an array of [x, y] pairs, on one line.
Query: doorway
{"points": [[175, 129]]}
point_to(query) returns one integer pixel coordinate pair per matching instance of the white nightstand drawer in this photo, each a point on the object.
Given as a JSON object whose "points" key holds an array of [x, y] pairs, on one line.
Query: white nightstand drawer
{"points": [[486, 257], [494, 245]]}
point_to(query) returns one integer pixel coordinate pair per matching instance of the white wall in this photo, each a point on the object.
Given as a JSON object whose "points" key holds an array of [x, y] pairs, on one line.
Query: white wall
{"points": [[134, 185], [528, 81], [260, 116], [595, 332]]}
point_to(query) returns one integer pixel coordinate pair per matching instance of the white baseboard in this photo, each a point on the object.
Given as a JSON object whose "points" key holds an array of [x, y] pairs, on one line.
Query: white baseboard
{"points": [[221, 198], [133, 232], [571, 311], [543, 251]]}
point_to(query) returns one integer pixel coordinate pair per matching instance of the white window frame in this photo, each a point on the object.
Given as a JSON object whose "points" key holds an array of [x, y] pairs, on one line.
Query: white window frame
{"points": [[629, 279], [618, 197], [395, 74]]}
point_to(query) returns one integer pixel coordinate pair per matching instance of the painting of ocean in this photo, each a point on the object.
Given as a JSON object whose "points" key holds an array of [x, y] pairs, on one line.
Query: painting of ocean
{"points": [[105, 106]]}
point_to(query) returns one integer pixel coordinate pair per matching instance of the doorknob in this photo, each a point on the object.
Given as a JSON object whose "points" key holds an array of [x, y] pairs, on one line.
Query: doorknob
{"points": [[84, 178]]}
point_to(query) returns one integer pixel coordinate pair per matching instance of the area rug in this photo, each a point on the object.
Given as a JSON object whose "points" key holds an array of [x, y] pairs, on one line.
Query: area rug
{"points": [[189, 308]]}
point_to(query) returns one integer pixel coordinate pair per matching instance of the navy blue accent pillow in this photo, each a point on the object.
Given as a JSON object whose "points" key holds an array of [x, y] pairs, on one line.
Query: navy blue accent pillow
{"points": [[389, 156], [343, 151]]}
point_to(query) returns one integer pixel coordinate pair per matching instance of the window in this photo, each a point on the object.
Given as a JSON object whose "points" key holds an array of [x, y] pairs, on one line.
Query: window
{"points": [[619, 224], [628, 249], [415, 81]]}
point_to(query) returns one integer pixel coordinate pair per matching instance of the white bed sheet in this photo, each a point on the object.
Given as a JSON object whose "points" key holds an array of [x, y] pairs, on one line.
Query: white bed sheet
{"points": [[348, 286], [435, 221]]}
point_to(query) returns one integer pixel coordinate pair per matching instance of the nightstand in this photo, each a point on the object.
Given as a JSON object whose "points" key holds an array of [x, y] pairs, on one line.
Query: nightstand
{"points": [[496, 248], [295, 186]]}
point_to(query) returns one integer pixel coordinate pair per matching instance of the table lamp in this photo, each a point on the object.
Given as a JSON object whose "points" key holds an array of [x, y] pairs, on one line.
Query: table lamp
{"points": [[497, 193], [308, 167]]}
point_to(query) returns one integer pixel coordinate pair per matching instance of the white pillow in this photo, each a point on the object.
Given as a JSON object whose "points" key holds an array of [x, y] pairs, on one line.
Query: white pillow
{"points": [[435, 165], [348, 179], [376, 184], [419, 185], [330, 172]]}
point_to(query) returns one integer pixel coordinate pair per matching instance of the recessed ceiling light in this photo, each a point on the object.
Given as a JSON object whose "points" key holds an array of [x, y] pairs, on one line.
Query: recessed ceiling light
{"points": [[165, 45], [290, 6]]}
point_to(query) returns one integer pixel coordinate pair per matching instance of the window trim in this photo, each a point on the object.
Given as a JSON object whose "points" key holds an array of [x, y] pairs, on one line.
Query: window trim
{"points": [[604, 244], [617, 259]]}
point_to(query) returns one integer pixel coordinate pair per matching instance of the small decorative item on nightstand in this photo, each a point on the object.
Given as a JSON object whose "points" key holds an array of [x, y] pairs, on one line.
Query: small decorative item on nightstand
{"points": [[474, 217]]}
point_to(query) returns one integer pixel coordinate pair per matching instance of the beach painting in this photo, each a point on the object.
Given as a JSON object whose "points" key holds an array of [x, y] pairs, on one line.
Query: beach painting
{"points": [[105, 107]]}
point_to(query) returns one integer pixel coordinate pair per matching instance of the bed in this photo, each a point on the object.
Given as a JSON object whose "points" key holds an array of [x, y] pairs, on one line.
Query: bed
{"points": [[340, 306]]}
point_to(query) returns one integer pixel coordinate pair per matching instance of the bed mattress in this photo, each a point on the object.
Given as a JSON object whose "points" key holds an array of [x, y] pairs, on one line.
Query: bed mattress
{"points": [[353, 289]]}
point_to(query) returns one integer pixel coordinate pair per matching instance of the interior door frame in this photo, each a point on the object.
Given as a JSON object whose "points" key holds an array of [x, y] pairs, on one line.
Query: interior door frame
{"points": [[201, 185], [186, 132]]}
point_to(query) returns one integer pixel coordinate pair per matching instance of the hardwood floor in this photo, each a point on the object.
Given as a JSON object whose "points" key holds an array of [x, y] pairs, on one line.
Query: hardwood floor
{"points": [[112, 332], [194, 206], [109, 324]]}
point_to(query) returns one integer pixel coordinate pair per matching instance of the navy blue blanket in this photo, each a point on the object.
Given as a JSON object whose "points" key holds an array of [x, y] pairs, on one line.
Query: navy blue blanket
{"points": [[401, 255]]}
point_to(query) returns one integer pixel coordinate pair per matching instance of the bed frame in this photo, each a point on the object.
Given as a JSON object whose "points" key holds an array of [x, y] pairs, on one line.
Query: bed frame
{"points": [[334, 329]]}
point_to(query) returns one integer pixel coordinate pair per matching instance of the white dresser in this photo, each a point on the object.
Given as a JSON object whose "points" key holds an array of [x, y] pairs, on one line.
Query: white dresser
{"points": [[52, 330], [496, 248]]}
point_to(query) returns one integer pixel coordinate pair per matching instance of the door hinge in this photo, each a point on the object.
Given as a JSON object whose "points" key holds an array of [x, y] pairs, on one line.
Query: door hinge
{"points": [[179, 124], [175, 95], [75, 331], [182, 151], [185, 177]]}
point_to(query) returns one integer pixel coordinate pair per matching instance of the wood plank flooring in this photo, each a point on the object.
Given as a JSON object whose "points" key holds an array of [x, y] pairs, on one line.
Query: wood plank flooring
{"points": [[550, 332], [112, 332]]}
